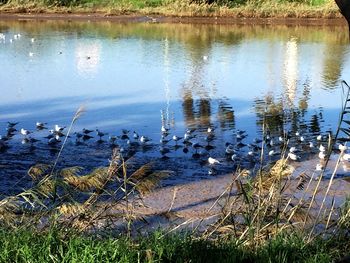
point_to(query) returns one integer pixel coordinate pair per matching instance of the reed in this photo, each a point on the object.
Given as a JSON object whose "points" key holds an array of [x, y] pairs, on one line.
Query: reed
{"points": [[267, 213]]}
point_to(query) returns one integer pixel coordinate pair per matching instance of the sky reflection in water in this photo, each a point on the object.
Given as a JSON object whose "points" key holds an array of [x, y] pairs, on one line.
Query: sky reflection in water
{"points": [[198, 75]]}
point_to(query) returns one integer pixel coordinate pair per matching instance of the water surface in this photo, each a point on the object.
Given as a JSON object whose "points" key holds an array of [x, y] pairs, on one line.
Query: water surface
{"points": [[142, 76]]}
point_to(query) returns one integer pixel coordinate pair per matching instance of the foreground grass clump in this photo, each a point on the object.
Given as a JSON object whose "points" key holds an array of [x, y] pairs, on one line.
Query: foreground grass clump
{"points": [[33, 246], [221, 8]]}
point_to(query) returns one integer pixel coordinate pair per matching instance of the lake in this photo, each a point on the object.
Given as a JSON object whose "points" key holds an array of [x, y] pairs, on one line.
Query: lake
{"points": [[142, 76]]}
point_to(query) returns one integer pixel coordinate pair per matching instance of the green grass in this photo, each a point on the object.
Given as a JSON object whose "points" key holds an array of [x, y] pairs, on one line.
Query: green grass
{"points": [[32, 246]]}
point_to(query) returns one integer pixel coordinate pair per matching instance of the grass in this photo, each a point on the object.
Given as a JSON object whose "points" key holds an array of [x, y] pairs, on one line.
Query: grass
{"points": [[52, 246], [221, 8]]}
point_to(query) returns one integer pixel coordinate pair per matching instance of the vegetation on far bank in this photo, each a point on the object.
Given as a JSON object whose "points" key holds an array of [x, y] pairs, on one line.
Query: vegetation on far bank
{"points": [[211, 8]]}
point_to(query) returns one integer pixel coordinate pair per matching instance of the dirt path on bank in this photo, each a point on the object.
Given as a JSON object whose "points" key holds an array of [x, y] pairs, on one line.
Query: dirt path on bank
{"points": [[171, 19], [198, 204]]}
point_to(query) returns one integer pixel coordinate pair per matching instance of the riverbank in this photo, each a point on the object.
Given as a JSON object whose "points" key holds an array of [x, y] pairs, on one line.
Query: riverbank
{"points": [[171, 11]]}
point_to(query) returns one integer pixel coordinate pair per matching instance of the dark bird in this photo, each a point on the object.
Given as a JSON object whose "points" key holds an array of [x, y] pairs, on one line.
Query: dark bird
{"points": [[11, 124]]}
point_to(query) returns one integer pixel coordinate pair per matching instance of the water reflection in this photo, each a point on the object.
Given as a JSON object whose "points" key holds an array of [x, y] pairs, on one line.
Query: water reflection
{"points": [[142, 76]]}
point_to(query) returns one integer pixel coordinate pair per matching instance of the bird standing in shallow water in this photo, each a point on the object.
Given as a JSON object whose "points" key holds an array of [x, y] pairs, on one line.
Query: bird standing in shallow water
{"points": [[213, 161], [25, 132]]}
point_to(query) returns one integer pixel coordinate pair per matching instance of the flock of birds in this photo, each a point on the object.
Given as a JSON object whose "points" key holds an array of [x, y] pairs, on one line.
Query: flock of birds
{"points": [[15, 37], [295, 147]]}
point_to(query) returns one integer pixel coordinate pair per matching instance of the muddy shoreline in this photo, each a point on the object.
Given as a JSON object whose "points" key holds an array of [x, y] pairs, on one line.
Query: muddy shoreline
{"points": [[136, 18]]}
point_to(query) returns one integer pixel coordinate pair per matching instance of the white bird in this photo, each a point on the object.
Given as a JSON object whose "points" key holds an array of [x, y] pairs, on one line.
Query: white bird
{"points": [[144, 139], [59, 128], [32, 40], [293, 149], [297, 133], [311, 145], [164, 130], [31, 54], [40, 125], [302, 138], [293, 156], [319, 167], [319, 137], [205, 58], [25, 132], [322, 148], [322, 155], [210, 130], [176, 138], [342, 147], [273, 153], [213, 161], [235, 157]]}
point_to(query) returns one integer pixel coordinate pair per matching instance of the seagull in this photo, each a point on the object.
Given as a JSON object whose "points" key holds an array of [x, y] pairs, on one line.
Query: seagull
{"points": [[322, 148], [86, 131], [322, 155], [54, 141], [212, 171], [213, 161], [112, 139], [136, 135], [235, 157], [25, 132], [272, 153], [163, 140], [100, 134], [32, 40], [40, 125], [293, 156], [319, 137], [342, 147], [57, 133], [124, 131], [144, 139], [176, 139], [59, 128], [319, 167], [11, 124], [293, 149], [87, 137], [164, 130], [210, 130]]}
